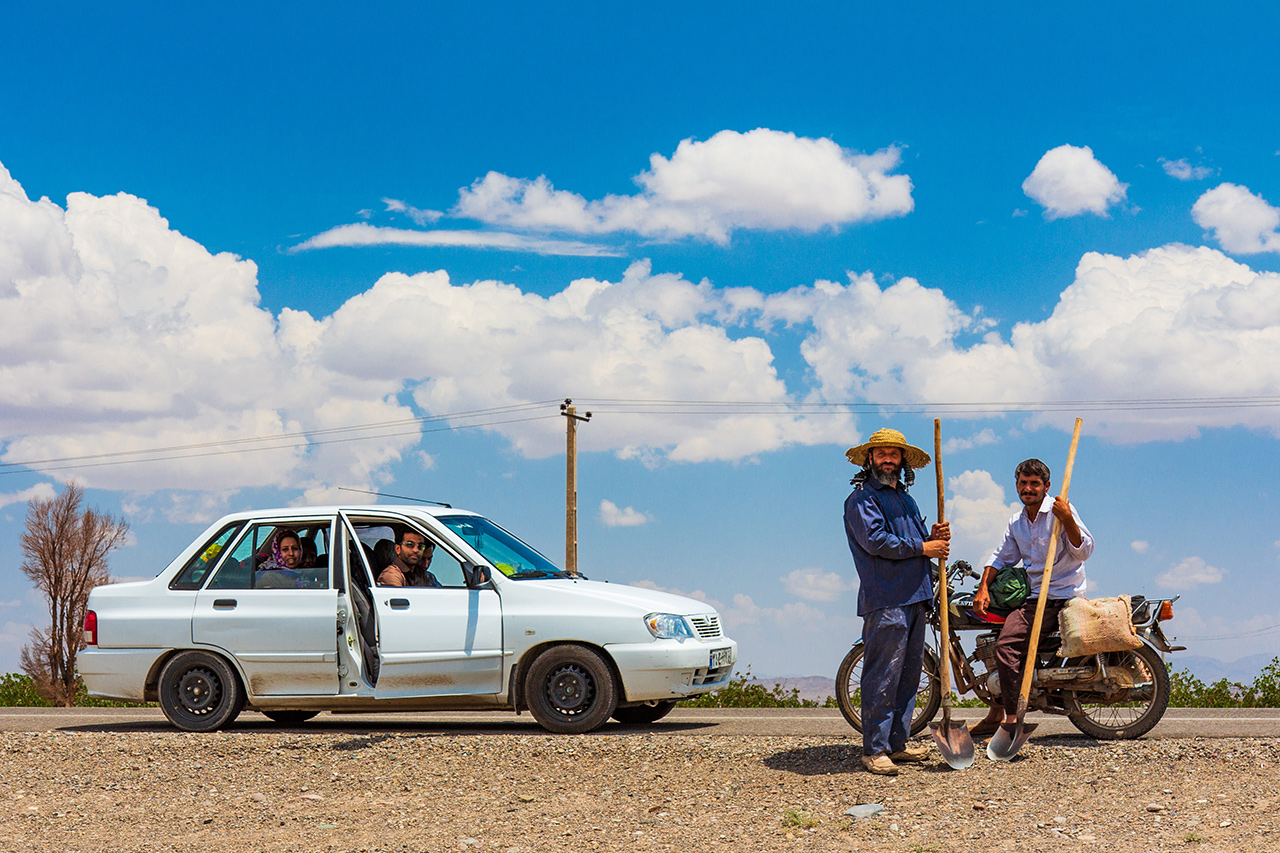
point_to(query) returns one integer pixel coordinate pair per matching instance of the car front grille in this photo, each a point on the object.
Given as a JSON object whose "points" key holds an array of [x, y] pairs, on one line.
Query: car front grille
{"points": [[710, 676], [708, 627]]}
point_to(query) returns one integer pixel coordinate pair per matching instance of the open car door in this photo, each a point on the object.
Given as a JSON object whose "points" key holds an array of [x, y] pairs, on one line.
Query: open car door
{"points": [[431, 641]]}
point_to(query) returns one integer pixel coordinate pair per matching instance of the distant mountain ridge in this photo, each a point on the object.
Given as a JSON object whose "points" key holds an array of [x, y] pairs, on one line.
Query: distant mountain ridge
{"points": [[814, 687], [1244, 671]]}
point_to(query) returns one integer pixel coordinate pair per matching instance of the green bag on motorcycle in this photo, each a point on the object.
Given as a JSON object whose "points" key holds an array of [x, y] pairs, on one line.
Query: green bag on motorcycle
{"points": [[1009, 588]]}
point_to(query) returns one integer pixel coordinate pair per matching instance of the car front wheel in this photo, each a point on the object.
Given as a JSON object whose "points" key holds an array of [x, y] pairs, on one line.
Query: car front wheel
{"points": [[570, 690], [199, 692]]}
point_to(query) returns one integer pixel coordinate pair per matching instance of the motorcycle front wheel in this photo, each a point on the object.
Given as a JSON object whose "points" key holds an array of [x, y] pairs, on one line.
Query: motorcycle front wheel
{"points": [[849, 696], [1134, 714]]}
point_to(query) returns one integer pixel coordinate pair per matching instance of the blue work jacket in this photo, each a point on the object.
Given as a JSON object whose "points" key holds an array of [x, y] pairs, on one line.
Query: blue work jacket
{"points": [[886, 537]]}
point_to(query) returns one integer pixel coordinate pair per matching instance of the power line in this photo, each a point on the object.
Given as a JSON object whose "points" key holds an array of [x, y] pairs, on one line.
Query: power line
{"points": [[620, 406], [225, 452], [283, 436], [1256, 633]]}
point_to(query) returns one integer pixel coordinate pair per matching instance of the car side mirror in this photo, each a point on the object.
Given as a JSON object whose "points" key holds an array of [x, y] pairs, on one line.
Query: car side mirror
{"points": [[477, 576]]}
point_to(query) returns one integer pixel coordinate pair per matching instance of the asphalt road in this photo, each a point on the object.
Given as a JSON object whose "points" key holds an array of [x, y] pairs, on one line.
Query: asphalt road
{"points": [[712, 722]]}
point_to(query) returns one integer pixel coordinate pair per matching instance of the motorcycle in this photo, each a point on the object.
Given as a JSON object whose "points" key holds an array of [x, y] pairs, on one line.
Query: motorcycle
{"points": [[1111, 696]]}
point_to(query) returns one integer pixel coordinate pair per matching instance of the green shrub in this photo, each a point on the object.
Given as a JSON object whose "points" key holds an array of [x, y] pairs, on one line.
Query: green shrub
{"points": [[1187, 691], [17, 690], [740, 692]]}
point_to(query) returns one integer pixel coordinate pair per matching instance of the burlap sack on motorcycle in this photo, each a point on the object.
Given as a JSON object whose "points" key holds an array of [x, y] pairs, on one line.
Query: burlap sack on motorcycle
{"points": [[1093, 627]]}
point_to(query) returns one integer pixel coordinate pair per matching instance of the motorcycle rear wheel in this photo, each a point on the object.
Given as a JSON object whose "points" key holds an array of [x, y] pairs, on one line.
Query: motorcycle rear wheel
{"points": [[1131, 719], [849, 699]]}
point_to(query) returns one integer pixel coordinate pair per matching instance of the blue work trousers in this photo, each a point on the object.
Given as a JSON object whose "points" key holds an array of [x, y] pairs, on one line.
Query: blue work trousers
{"points": [[891, 666]]}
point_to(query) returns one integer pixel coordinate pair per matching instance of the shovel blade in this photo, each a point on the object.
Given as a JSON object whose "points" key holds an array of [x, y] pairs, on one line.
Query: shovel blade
{"points": [[1008, 739], [954, 743]]}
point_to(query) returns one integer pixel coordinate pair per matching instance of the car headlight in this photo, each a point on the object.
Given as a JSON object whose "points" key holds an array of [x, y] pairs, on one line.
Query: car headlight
{"points": [[668, 626]]}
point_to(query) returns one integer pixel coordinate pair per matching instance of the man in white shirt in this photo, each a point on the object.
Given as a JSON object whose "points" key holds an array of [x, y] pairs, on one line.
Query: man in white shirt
{"points": [[1026, 540]]}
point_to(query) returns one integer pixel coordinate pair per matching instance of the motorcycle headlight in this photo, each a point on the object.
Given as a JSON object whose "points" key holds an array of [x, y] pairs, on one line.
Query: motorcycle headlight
{"points": [[668, 626]]}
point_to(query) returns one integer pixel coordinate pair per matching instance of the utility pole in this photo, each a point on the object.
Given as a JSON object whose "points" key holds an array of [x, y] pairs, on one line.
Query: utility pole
{"points": [[571, 484]]}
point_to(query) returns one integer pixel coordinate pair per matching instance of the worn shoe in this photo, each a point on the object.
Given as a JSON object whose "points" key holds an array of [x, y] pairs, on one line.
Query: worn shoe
{"points": [[879, 765], [919, 752], [984, 729]]}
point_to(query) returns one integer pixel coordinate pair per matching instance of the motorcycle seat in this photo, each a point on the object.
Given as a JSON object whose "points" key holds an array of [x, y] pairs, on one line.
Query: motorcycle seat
{"points": [[962, 609]]}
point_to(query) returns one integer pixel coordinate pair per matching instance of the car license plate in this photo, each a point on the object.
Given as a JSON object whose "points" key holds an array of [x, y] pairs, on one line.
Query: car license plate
{"points": [[721, 657]]}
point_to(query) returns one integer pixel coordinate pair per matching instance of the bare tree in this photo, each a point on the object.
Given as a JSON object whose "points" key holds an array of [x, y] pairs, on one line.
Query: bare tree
{"points": [[64, 552]]}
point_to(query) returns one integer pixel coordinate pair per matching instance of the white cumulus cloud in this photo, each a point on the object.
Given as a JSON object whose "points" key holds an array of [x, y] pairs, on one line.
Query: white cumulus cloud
{"points": [[815, 584], [1140, 545], [1069, 181], [611, 515], [762, 179], [650, 336], [1240, 221], [978, 439], [40, 491], [979, 513], [1175, 322], [1184, 171], [364, 234], [1190, 573]]}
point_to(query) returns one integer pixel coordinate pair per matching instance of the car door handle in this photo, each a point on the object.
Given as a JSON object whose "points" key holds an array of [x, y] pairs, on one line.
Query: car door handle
{"points": [[224, 602], [399, 603]]}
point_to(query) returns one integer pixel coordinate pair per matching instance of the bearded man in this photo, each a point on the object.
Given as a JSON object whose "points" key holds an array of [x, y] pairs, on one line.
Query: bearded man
{"points": [[891, 552]]}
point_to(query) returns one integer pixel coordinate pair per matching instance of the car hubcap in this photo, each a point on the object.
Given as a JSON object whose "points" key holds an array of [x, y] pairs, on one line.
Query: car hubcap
{"points": [[570, 690], [199, 691]]}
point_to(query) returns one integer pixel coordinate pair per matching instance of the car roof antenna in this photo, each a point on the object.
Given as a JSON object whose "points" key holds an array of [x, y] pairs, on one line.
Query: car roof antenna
{"points": [[401, 497]]}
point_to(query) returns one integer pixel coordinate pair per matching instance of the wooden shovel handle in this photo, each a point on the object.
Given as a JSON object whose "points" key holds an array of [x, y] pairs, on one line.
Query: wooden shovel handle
{"points": [[1028, 665], [944, 666]]}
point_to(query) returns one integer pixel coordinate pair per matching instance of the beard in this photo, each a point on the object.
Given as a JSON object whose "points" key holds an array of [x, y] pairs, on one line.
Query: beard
{"points": [[887, 478]]}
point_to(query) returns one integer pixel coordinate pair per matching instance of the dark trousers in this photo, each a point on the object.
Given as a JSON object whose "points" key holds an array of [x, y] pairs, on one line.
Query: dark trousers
{"points": [[1013, 644], [893, 658]]}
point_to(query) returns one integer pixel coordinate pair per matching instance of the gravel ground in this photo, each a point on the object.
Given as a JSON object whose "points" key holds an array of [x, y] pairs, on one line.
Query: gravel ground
{"points": [[294, 791]]}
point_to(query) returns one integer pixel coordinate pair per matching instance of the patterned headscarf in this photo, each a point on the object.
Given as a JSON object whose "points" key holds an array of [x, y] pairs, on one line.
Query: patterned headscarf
{"points": [[275, 562]]}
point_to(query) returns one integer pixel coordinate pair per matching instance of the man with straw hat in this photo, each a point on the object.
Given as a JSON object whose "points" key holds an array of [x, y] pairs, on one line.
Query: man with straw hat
{"points": [[891, 551]]}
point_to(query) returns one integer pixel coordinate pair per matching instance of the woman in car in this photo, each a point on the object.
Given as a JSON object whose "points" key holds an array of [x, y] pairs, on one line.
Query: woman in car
{"points": [[280, 568]]}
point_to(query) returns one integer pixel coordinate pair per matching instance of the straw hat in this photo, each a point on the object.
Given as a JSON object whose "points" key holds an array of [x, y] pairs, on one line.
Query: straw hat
{"points": [[914, 457]]}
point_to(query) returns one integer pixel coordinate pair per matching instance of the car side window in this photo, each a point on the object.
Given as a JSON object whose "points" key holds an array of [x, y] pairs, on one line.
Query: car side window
{"points": [[250, 566], [447, 569], [197, 568], [378, 539]]}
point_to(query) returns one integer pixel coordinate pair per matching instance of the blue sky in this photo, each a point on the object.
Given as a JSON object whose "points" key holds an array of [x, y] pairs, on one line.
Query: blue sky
{"points": [[745, 237]]}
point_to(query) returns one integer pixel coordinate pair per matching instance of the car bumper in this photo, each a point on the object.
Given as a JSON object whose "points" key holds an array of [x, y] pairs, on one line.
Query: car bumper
{"points": [[119, 674], [671, 669]]}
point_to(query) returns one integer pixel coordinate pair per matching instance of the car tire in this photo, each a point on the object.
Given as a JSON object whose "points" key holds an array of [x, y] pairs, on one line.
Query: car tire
{"points": [[570, 690], [200, 692], [639, 715], [289, 718]]}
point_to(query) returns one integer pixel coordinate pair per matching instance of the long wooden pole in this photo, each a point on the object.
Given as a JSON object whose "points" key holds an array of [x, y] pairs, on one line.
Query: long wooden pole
{"points": [[944, 673], [572, 417]]}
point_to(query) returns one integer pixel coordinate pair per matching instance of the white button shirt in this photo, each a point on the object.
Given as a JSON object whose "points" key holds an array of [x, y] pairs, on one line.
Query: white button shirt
{"points": [[1028, 543]]}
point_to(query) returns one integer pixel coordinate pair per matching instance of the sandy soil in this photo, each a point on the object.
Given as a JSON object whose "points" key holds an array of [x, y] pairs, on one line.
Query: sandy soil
{"points": [[295, 791]]}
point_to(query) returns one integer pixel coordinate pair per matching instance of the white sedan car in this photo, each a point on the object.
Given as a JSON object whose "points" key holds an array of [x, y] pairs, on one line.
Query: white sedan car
{"points": [[504, 629]]}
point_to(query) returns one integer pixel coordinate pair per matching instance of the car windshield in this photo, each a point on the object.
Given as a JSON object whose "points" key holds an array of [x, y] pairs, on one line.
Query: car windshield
{"points": [[508, 554]]}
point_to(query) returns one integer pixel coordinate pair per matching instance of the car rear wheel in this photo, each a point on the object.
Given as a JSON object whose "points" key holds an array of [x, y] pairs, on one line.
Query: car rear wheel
{"points": [[570, 690], [638, 715], [199, 691], [289, 718]]}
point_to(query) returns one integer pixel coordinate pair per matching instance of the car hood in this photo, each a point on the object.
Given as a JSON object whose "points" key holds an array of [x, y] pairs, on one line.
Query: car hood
{"points": [[643, 600]]}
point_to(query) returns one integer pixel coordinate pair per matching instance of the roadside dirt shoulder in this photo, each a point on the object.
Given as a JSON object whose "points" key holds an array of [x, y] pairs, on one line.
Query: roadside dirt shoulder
{"points": [[295, 791]]}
